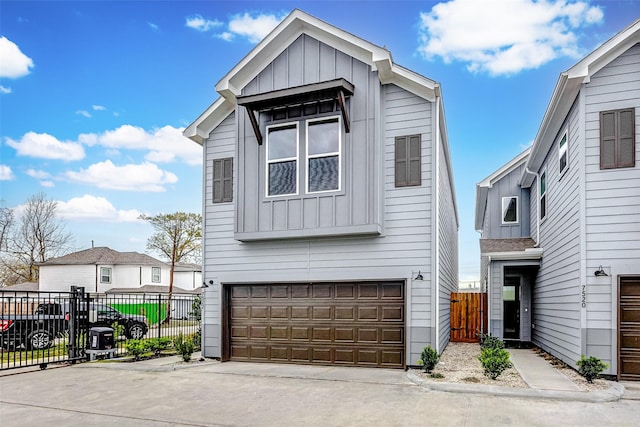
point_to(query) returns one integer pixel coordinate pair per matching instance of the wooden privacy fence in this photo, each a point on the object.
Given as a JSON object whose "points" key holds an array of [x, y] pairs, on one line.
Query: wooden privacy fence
{"points": [[468, 316]]}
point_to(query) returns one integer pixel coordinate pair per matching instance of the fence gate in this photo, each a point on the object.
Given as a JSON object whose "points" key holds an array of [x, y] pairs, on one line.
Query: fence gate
{"points": [[468, 316]]}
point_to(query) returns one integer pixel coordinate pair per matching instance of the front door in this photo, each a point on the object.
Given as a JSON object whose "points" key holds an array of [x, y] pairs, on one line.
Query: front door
{"points": [[511, 307]]}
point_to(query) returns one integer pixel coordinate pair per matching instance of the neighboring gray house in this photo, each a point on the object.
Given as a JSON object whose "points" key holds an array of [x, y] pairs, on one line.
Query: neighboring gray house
{"points": [[101, 269], [330, 223], [560, 223]]}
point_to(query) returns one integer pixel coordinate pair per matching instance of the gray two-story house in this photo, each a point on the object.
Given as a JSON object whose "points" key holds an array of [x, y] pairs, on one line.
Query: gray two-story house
{"points": [[560, 223], [330, 222]]}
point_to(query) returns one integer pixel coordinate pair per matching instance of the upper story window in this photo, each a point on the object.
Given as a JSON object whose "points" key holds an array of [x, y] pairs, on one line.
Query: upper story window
{"points": [[563, 153], [323, 155], [155, 274], [617, 139], [223, 180], [282, 159], [510, 210], [408, 161], [543, 195], [105, 275]]}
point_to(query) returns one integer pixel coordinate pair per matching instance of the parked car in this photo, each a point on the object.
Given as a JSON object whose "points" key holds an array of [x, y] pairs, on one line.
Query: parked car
{"points": [[35, 331], [50, 320]]}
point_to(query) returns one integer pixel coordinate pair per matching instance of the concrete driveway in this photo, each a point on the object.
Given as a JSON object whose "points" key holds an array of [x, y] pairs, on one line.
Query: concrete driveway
{"points": [[156, 393]]}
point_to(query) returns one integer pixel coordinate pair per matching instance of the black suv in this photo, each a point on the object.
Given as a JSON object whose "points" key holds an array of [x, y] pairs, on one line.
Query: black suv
{"points": [[99, 314]]}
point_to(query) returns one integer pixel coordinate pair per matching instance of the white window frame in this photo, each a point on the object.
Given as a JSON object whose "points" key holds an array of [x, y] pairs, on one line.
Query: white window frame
{"points": [[327, 154], [508, 199], [563, 150], [284, 159], [542, 195], [109, 274], [153, 274]]}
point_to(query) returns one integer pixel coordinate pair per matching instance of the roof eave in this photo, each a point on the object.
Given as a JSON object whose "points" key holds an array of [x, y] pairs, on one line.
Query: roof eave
{"points": [[527, 254]]}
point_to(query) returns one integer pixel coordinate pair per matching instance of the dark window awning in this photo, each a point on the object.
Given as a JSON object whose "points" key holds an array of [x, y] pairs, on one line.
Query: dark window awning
{"points": [[337, 89]]}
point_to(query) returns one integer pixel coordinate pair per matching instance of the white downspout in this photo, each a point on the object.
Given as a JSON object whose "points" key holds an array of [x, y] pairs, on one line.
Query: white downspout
{"points": [[436, 267], [537, 198], [489, 296]]}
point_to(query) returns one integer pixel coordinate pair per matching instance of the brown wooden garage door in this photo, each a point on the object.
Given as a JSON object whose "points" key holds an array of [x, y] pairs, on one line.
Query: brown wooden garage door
{"points": [[353, 324], [629, 328]]}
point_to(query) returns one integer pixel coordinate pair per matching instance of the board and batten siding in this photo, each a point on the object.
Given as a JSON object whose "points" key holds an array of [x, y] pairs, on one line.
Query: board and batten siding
{"points": [[448, 248], [404, 248], [308, 61], [556, 294], [612, 204]]}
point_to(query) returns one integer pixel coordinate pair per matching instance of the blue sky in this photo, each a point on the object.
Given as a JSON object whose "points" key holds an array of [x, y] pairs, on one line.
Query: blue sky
{"points": [[94, 95]]}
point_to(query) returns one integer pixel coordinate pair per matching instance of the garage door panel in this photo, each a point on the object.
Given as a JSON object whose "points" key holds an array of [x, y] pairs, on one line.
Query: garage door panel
{"points": [[351, 324], [280, 312], [321, 313]]}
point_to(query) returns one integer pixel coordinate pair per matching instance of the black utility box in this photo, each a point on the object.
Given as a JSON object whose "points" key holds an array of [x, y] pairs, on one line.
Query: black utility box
{"points": [[101, 338]]}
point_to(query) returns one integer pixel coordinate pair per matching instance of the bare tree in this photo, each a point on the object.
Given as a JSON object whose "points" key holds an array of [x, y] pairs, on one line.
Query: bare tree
{"points": [[39, 235], [6, 224], [177, 237]]}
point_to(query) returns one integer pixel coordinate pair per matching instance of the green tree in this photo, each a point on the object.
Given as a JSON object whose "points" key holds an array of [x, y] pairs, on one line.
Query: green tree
{"points": [[177, 236]]}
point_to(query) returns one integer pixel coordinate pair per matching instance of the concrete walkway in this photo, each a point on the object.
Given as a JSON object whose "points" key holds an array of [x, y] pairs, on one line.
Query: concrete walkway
{"points": [[538, 373]]}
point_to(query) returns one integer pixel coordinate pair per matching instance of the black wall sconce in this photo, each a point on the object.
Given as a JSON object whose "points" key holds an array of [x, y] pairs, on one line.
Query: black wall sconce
{"points": [[600, 272], [419, 276]]}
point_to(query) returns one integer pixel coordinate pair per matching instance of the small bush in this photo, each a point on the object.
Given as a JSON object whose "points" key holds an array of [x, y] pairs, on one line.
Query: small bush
{"points": [[184, 346], [158, 344], [591, 367], [489, 341], [494, 361], [429, 358], [136, 348], [437, 375]]}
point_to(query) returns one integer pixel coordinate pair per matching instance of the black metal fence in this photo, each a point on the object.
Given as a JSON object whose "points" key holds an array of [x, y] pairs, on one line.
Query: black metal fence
{"points": [[38, 328]]}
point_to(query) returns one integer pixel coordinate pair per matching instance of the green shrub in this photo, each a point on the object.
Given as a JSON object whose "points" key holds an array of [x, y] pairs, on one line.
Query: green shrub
{"points": [[136, 348], [429, 358], [489, 341], [591, 367], [494, 361], [158, 344], [184, 346], [118, 330]]}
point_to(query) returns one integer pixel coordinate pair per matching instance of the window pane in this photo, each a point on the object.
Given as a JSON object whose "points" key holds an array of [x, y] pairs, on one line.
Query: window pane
{"points": [[323, 137], [282, 178], [323, 173], [508, 293], [509, 209], [543, 183], [563, 161], [282, 142]]}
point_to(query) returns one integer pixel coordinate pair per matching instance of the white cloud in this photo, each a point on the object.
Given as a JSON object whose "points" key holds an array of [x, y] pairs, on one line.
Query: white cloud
{"points": [[83, 113], [47, 184], [131, 177], [94, 208], [253, 28], [503, 37], [153, 26], [166, 144], [197, 22], [13, 63], [38, 174], [6, 174], [4, 89], [42, 145], [98, 107]]}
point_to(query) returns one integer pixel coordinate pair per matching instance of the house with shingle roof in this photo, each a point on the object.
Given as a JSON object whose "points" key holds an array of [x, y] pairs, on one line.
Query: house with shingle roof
{"points": [[560, 223], [100, 269]]}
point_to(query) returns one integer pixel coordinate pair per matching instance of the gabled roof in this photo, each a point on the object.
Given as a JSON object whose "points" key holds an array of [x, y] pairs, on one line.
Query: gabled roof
{"points": [[104, 256], [567, 89], [294, 25], [482, 188]]}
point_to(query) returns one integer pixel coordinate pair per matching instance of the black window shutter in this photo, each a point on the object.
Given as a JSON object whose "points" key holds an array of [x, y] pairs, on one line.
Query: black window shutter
{"points": [[607, 140], [408, 161], [223, 180]]}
